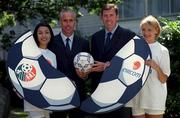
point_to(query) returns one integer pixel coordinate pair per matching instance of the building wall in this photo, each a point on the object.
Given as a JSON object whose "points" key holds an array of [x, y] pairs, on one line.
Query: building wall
{"points": [[89, 24], [131, 12]]}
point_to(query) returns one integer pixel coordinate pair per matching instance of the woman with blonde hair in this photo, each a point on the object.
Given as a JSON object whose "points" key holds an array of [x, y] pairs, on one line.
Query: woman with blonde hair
{"points": [[150, 101]]}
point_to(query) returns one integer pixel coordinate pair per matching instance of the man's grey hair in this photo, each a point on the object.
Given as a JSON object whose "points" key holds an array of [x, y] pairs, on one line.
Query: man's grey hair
{"points": [[67, 10]]}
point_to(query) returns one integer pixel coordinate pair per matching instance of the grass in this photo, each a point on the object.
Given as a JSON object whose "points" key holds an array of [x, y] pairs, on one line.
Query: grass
{"points": [[18, 113]]}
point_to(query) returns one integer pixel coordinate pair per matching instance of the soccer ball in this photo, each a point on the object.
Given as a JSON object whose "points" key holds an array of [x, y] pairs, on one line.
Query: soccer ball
{"points": [[83, 61], [122, 80], [36, 80]]}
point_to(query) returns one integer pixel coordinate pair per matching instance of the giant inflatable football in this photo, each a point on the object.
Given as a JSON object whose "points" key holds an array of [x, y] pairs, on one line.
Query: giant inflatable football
{"points": [[122, 80], [36, 80]]}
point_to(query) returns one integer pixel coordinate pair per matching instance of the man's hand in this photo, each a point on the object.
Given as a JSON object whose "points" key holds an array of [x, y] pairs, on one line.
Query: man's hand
{"points": [[83, 74], [100, 66]]}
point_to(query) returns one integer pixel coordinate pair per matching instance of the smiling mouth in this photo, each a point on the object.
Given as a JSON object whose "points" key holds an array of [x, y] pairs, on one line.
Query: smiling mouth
{"points": [[44, 39]]}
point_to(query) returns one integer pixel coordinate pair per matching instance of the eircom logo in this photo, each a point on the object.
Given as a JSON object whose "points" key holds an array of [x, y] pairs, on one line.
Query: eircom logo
{"points": [[136, 66], [25, 72], [133, 73]]}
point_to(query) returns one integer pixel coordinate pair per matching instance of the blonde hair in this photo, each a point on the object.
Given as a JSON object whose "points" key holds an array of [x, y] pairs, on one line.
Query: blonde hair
{"points": [[151, 20]]}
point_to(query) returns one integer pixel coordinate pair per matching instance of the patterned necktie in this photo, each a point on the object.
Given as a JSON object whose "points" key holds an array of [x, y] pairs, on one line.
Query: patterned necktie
{"points": [[107, 42], [68, 51]]}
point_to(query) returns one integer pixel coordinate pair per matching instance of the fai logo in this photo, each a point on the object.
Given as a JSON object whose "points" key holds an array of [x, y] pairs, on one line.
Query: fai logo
{"points": [[25, 72], [136, 65]]}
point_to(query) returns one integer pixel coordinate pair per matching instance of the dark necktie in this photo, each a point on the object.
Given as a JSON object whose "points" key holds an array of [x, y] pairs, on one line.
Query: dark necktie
{"points": [[107, 42], [68, 51]]}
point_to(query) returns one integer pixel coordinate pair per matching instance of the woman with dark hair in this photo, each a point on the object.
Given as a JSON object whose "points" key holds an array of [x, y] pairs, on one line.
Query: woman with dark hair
{"points": [[49, 30], [43, 35]]}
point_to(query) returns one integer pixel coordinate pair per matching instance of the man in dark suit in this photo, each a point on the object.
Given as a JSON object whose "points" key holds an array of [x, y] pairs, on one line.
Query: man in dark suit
{"points": [[104, 45], [66, 45]]}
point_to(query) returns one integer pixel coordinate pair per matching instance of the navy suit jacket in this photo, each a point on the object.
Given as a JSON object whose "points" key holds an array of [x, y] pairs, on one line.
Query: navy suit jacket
{"points": [[120, 37], [65, 64]]}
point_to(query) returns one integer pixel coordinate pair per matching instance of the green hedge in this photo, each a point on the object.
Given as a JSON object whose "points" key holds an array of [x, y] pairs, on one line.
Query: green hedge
{"points": [[170, 37]]}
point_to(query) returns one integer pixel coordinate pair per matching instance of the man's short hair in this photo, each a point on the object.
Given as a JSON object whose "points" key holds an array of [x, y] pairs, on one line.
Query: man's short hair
{"points": [[110, 6], [67, 9]]}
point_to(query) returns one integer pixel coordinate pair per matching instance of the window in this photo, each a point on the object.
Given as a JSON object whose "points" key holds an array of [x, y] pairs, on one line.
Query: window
{"points": [[138, 8], [175, 6], [158, 7], [132, 9]]}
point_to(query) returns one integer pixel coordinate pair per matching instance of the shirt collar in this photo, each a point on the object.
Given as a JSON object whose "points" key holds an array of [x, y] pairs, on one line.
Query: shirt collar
{"points": [[65, 37], [112, 30]]}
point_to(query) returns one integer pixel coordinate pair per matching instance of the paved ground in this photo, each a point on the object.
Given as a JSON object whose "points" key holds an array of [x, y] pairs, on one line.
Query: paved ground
{"points": [[4, 102]]}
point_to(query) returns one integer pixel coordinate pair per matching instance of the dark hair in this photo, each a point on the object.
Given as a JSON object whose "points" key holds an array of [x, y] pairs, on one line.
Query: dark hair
{"points": [[108, 7], [42, 24]]}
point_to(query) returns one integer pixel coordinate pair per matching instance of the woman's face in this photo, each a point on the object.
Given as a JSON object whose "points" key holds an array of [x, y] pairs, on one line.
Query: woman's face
{"points": [[44, 36], [149, 32]]}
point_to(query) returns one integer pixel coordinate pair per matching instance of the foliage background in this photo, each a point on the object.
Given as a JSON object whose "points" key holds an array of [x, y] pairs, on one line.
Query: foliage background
{"points": [[170, 37]]}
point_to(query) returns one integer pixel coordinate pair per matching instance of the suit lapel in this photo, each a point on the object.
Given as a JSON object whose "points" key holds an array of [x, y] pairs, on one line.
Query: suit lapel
{"points": [[115, 37], [63, 47], [101, 41], [75, 46], [113, 44], [61, 52], [60, 42]]}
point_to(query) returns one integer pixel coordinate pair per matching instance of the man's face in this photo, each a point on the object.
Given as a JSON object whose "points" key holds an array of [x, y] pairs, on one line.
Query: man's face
{"points": [[109, 18], [68, 23]]}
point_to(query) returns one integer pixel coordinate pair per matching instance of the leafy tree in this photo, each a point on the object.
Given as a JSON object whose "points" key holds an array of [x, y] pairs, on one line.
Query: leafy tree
{"points": [[12, 11], [47, 9], [170, 37]]}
